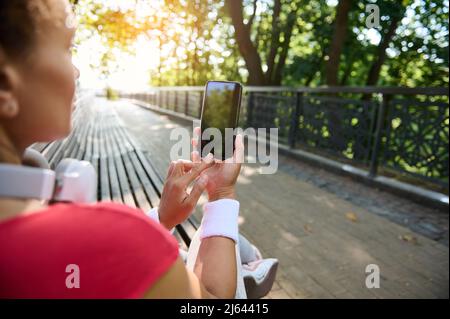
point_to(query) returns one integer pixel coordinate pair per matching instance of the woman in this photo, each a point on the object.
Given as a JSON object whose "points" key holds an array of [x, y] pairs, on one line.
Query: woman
{"points": [[118, 251]]}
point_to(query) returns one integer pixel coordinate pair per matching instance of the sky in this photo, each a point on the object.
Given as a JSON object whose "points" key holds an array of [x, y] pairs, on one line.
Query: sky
{"points": [[133, 71]]}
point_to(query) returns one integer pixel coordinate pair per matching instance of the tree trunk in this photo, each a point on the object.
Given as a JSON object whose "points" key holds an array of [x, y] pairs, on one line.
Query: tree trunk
{"points": [[347, 71], [277, 77], [245, 44], [275, 43], [332, 71], [337, 43], [374, 72], [160, 61]]}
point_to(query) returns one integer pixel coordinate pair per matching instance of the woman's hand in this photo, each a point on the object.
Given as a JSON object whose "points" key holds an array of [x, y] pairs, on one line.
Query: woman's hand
{"points": [[176, 204], [223, 175]]}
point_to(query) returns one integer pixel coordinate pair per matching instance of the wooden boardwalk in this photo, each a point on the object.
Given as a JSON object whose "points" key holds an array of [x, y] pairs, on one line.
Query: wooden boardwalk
{"points": [[324, 243]]}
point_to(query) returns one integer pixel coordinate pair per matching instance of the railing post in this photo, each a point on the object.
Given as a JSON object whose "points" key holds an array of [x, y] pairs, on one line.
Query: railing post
{"points": [[186, 103], [251, 106], [160, 98], [201, 104], [166, 99], [293, 131], [176, 101], [378, 135]]}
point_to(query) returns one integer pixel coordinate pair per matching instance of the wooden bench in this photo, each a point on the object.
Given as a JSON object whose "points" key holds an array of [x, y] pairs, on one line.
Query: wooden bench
{"points": [[125, 174]]}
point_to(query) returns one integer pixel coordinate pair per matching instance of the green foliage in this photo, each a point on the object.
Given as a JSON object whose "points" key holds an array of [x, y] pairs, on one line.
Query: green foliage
{"points": [[202, 45], [111, 94]]}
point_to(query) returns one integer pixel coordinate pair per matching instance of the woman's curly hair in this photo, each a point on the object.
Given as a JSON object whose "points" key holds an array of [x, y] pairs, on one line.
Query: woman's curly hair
{"points": [[19, 24], [17, 27]]}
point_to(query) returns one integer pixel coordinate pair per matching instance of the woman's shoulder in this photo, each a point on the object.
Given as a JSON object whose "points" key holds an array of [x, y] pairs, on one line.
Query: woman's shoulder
{"points": [[62, 212], [120, 252], [105, 220], [85, 217]]}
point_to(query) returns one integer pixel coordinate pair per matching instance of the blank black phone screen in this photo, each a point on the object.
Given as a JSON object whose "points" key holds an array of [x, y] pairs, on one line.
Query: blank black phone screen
{"points": [[220, 110]]}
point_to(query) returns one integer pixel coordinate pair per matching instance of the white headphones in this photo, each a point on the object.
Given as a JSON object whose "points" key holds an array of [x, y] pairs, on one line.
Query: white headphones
{"points": [[72, 181]]}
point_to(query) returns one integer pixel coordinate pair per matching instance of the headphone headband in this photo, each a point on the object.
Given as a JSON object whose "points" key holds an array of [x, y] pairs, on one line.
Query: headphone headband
{"points": [[18, 181]]}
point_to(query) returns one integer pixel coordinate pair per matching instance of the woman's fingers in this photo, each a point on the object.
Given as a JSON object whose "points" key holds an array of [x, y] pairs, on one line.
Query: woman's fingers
{"points": [[198, 168], [170, 170], [179, 167], [195, 157], [197, 190], [194, 142], [238, 155], [187, 165], [239, 149]]}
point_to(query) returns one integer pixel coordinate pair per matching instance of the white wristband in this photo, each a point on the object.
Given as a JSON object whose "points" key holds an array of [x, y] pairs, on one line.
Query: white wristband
{"points": [[220, 218]]}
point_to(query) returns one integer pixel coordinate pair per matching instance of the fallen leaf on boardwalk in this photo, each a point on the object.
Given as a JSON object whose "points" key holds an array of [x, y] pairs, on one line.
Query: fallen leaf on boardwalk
{"points": [[352, 217], [409, 238], [307, 228]]}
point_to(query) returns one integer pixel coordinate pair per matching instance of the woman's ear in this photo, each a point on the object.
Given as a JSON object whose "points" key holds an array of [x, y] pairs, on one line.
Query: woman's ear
{"points": [[4, 81], [9, 106]]}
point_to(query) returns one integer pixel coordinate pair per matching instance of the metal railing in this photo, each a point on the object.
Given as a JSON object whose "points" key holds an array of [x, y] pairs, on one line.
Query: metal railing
{"points": [[396, 131]]}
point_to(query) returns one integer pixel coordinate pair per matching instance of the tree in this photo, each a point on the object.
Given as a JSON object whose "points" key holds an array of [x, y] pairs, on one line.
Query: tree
{"points": [[279, 42], [283, 22], [246, 46], [337, 42], [397, 10]]}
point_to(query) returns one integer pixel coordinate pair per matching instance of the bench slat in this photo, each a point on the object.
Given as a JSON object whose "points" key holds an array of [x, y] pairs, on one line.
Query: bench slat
{"points": [[148, 186], [124, 182], [151, 172], [121, 174], [105, 192], [116, 194], [71, 145], [82, 139], [137, 191], [125, 173]]}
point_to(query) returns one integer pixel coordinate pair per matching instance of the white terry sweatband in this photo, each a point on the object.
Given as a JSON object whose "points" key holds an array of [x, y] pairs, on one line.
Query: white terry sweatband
{"points": [[220, 218]]}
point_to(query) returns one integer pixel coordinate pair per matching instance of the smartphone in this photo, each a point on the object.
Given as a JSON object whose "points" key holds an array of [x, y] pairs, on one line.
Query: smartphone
{"points": [[220, 110]]}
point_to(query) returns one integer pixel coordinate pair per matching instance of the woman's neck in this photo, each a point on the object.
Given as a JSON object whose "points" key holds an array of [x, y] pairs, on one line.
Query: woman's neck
{"points": [[10, 208], [9, 153]]}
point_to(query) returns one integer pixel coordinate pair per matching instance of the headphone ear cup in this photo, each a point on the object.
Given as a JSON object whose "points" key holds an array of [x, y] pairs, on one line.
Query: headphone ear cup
{"points": [[33, 158], [76, 181]]}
